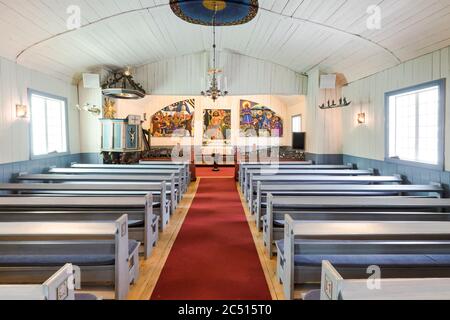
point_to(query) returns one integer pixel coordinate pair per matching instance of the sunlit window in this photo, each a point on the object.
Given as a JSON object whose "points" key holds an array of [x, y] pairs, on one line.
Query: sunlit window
{"points": [[296, 124], [48, 125], [415, 124]]}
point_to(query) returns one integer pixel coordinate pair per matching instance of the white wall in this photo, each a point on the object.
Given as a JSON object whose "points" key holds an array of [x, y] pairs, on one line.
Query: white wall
{"points": [[246, 76], [368, 140], [90, 128], [284, 106], [15, 81], [323, 127]]}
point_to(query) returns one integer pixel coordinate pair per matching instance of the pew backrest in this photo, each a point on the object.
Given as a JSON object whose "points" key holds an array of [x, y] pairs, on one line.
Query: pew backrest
{"points": [[389, 236], [60, 286], [48, 238], [335, 287]]}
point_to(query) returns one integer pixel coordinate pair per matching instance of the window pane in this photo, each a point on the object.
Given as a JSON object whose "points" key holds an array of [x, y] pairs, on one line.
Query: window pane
{"points": [[48, 117], [39, 134], [296, 124], [55, 126], [414, 125], [428, 126]]}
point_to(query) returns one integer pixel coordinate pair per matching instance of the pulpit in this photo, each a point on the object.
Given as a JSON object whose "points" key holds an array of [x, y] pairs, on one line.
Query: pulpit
{"points": [[122, 139]]}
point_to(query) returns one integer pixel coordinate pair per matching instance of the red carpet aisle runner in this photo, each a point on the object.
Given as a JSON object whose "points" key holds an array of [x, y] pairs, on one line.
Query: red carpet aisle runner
{"points": [[214, 256], [207, 172]]}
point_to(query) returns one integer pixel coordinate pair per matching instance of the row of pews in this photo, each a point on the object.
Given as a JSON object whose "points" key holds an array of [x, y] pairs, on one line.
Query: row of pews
{"points": [[69, 232], [341, 229]]}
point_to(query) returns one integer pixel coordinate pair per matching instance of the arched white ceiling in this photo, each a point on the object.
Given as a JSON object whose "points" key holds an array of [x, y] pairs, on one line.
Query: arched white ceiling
{"points": [[298, 34]]}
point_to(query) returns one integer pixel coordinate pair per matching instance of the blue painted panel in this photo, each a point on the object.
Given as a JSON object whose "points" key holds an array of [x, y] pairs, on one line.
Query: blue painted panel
{"points": [[227, 13]]}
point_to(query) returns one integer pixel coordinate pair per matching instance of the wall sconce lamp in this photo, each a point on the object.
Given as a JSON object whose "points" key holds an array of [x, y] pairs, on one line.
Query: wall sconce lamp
{"points": [[21, 111], [361, 118]]}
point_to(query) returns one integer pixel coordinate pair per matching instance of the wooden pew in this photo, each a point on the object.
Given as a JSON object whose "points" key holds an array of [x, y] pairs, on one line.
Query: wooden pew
{"points": [[400, 249], [30, 252], [183, 167], [190, 167], [243, 165], [349, 208], [277, 168], [316, 179], [158, 190], [335, 287], [253, 177], [101, 179], [60, 286], [38, 209], [298, 190], [179, 180]]}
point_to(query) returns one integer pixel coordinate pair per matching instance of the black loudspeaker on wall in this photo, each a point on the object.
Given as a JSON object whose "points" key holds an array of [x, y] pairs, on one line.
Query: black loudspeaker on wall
{"points": [[298, 140]]}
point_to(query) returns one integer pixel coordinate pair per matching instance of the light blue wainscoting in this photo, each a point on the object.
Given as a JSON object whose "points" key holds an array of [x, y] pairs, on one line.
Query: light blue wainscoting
{"points": [[413, 174], [7, 170]]}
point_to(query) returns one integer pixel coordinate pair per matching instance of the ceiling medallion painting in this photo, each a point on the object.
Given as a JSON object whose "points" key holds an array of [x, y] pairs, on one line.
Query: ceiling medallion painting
{"points": [[228, 12]]}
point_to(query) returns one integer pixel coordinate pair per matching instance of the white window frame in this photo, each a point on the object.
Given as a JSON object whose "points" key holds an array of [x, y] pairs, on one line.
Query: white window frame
{"points": [[441, 128], [301, 123], [54, 97]]}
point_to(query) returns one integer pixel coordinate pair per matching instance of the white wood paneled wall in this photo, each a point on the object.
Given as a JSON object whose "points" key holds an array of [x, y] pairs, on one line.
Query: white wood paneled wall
{"points": [[15, 81], [368, 140], [186, 75], [323, 127]]}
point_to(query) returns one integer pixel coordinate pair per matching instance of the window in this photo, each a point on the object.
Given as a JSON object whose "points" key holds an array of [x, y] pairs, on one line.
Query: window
{"points": [[415, 124], [296, 124], [48, 124]]}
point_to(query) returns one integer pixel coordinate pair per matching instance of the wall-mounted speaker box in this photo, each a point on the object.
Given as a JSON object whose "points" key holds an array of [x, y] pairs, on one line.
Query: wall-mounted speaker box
{"points": [[299, 140], [91, 81], [328, 81]]}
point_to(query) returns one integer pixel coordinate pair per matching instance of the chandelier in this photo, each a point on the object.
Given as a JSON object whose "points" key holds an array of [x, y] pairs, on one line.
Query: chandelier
{"points": [[214, 92]]}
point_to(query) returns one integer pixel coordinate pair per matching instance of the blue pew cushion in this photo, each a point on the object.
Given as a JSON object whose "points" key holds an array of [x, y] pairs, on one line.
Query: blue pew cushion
{"points": [[83, 260], [132, 246], [156, 204], [361, 260], [312, 295], [85, 297], [136, 224]]}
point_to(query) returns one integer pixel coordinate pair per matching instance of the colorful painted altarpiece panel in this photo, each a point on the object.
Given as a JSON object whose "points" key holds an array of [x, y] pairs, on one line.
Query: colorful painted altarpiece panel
{"points": [[174, 120], [257, 120], [216, 126]]}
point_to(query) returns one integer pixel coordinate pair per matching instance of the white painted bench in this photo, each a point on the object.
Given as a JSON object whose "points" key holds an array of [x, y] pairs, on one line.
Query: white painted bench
{"points": [[60, 286], [434, 190], [316, 179], [179, 179], [185, 170], [102, 179], [400, 249], [140, 210], [335, 287], [30, 252], [161, 205], [255, 165], [346, 209], [252, 169]]}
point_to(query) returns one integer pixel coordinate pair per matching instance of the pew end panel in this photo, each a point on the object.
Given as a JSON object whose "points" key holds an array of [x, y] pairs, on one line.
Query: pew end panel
{"points": [[122, 264], [151, 231], [330, 282], [288, 272], [60, 286]]}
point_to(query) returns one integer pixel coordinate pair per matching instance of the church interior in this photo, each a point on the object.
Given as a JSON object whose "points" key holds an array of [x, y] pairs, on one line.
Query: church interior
{"points": [[252, 150]]}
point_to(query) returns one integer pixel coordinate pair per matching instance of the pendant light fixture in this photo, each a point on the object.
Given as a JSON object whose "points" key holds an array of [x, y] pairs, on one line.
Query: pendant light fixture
{"points": [[214, 91]]}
